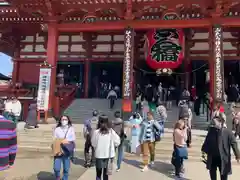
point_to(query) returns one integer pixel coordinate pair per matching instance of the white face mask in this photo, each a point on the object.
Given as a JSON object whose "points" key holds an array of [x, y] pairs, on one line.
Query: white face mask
{"points": [[64, 123]]}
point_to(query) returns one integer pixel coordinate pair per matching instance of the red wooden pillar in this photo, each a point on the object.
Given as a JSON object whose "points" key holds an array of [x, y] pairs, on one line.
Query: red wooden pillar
{"points": [[216, 64], [86, 78], [16, 65], [15, 71], [52, 48], [187, 64]]}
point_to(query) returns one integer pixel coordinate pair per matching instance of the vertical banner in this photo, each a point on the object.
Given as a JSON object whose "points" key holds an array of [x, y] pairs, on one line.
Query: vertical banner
{"points": [[128, 69], [43, 89], [218, 63]]}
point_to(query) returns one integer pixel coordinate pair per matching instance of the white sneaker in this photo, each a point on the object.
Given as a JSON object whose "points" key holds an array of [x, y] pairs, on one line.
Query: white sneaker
{"points": [[152, 163], [145, 168], [117, 170]]}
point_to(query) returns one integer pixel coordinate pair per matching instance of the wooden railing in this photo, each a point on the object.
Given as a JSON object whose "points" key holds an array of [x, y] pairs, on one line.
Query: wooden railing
{"points": [[64, 98]]}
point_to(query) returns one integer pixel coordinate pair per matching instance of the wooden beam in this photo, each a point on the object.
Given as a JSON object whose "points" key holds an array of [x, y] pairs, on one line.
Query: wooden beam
{"points": [[135, 24]]}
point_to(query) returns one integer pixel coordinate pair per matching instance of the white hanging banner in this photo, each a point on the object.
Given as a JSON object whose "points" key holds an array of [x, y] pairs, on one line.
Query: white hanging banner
{"points": [[43, 89]]}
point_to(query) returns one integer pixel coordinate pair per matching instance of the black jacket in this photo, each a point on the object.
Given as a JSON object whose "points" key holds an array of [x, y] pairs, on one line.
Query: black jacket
{"points": [[226, 140]]}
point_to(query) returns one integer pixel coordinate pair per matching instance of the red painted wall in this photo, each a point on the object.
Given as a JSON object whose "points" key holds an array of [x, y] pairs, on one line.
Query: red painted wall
{"points": [[28, 72]]}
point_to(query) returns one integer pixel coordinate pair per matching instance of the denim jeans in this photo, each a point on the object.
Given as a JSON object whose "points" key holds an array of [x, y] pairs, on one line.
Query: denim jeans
{"points": [[101, 174], [120, 155], [58, 161]]}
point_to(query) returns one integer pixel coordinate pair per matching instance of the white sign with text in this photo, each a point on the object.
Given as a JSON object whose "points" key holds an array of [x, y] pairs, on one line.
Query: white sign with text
{"points": [[43, 89]]}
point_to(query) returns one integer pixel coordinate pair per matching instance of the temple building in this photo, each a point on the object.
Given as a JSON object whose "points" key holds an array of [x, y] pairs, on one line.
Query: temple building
{"points": [[66, 49]]}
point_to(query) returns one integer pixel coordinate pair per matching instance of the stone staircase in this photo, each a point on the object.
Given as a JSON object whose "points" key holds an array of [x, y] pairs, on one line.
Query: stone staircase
{"points": [[41, 140], [198, 122], [81, 109]]}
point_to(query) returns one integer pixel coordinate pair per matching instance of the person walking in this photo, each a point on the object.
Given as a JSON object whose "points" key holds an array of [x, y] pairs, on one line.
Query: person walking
{"points": [[87, 131], [65, 135], [161, 116], [104, 141], [180, 152], [8, 141], [134, 123], [118, 127], [13, 109], [112, 96], [148, 129], [217, 146]]}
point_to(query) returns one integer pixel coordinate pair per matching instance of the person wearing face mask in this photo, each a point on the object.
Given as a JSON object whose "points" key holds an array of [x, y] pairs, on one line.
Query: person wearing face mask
{"points": [[66, 134]]}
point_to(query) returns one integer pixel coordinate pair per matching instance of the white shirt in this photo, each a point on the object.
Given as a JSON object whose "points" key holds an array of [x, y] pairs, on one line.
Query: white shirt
{"points": [[13, 106], [102, 143], [8, 105], [62, 132], [112, 93]]}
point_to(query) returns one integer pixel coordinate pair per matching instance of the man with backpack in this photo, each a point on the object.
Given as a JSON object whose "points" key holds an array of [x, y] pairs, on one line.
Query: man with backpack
{"points": [[87, 131], [185, 113]]}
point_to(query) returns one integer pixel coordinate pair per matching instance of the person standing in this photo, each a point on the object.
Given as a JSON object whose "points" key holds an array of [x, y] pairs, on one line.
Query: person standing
{"points": [[66, 134], [187, 116], [161, 116], [16, 109], [104, 141], [87, 131], [13, 109], [118, 127], [134, 123], [112, 96], [217, 146], [179, 148], [31, 120], [8, 141], [148, 128]]}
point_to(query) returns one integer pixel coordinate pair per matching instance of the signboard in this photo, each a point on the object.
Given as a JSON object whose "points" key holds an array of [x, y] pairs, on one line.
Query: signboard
{"points": [[43, 89], [218, 63], [164, 48], [128, 66]]}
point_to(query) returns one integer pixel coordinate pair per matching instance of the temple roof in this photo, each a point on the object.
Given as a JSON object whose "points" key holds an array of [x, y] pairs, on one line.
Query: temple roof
{"points": [[88, 11]]}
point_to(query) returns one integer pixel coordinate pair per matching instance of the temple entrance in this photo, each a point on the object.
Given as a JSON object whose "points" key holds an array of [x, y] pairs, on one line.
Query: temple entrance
{"points": [[73, 73], [105, 75]]}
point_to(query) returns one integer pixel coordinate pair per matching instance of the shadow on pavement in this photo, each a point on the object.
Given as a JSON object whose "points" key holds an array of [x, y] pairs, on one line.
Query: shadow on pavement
{"points": [[42, 175], [161, 167], [77, 161]]}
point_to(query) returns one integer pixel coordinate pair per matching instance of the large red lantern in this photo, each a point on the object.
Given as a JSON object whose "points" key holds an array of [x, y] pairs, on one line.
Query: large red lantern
{"points": [[164, 48]]}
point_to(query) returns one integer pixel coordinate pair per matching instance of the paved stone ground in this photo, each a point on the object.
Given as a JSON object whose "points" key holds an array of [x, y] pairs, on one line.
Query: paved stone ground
{"points": [[162, 170], [33, 165]]}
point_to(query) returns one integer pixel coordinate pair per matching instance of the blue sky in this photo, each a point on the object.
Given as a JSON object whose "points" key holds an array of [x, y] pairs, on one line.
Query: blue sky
{"points": [[6, 65]]}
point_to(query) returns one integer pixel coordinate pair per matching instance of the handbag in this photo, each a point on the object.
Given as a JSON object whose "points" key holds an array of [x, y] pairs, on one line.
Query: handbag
{"points": [[181, 152], [157, 134], [68, 148], [110, 160]]}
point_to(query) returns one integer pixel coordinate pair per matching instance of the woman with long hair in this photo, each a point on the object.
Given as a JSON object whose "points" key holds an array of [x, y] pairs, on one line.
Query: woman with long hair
{"points": [[180, 147], [66, 134], [104, 140]]}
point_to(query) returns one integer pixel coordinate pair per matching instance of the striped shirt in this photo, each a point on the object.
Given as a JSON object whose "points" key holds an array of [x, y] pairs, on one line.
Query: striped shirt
{"points": [[149, 130], [8, 143]]}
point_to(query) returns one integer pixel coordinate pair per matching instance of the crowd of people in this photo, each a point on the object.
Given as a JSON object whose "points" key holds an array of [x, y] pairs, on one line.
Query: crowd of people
{"points": [[105, 140]]}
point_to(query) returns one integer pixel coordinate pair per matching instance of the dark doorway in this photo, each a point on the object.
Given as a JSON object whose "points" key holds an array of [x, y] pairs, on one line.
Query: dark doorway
{"points": [[199, 76], [231, 73], [105, 72], [73, 75]]}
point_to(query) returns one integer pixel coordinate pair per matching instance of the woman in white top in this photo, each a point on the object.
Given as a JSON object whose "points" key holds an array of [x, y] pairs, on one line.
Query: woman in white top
{"points": [[66, 132], [104, 141]]}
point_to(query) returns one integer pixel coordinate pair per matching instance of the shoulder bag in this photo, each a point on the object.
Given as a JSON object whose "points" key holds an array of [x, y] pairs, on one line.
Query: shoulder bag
{"points": [[68, 148], [110, 160]]}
